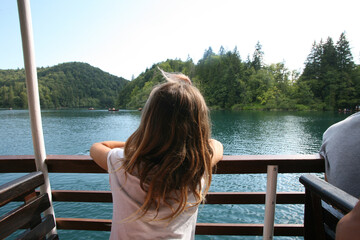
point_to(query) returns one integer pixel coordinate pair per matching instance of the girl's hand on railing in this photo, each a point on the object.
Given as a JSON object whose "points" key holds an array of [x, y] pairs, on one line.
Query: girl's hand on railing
{"points": [[218, 151], [113, 144], [99, 151]]}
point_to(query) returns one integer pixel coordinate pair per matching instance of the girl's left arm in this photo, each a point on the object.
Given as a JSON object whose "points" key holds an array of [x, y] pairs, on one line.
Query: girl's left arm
{"points": [[99, 151], [218, 151]]}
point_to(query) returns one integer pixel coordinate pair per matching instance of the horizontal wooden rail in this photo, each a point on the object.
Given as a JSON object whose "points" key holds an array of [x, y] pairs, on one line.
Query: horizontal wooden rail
{"points": [[211, 197], [242, 164], [253, 198], [245, 229], [201, 228]]}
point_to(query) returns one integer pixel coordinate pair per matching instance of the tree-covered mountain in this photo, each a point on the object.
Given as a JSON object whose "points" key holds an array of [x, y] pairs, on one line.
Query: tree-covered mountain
{"points": [[72, 85], [329, 81]]}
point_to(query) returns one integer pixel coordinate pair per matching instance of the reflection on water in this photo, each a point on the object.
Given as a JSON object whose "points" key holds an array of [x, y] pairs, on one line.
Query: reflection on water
{"points": [[65, 131], [246, 132], [262, 132], [242, 133]]}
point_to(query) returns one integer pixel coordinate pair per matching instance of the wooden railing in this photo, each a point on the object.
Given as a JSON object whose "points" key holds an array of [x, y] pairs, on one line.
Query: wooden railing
{"points": [[244, 164], [29, 214], [325, 205]]}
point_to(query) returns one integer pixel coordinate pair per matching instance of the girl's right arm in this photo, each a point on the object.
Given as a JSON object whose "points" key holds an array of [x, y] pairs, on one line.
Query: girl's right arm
{"points": [[99, 151], [218, 150]]}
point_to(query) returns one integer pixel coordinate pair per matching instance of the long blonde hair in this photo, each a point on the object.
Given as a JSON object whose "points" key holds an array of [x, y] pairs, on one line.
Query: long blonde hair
{"points": [[170, 151]]}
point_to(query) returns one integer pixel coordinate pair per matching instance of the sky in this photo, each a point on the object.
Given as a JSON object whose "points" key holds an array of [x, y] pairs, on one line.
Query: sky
{"points": [[126, 37]]}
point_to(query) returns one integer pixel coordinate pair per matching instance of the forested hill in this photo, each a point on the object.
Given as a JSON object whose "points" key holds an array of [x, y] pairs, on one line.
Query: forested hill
{"points": [[330, 80], [67, 85]]}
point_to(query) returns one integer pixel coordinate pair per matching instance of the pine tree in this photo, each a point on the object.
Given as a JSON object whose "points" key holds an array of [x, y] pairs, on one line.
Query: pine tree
{"points": [[312, 72], [344, 56], [208, 53], [329, 56], [313, 62], [257, 60], [345, 66], [222, 51]]}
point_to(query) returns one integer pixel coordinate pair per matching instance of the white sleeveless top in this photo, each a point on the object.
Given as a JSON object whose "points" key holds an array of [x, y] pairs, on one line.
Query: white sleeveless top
{"points": [[128, 197]]}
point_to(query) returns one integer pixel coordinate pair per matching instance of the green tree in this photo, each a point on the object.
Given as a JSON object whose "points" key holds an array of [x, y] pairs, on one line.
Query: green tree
{"points": [[11, 97], [257, 60], [302, 94], [311, 73], [344, 57]]}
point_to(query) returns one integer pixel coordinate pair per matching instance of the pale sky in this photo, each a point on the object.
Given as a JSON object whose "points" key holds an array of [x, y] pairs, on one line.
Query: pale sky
{"points": [[126, 37]]}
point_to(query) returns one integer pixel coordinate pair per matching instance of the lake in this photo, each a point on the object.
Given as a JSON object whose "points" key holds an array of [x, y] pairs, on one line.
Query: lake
{"points": [[242, 133]]}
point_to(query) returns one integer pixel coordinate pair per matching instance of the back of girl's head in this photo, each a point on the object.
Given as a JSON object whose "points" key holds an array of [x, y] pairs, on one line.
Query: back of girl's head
{"points": [[170, 150], [174, 112]]}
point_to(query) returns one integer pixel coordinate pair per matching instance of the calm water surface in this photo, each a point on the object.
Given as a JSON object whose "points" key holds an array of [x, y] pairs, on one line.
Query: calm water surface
{"points": [[242, 133]]}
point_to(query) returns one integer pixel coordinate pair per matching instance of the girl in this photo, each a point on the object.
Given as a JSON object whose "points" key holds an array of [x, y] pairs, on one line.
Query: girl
{"points": [[161, 174]]}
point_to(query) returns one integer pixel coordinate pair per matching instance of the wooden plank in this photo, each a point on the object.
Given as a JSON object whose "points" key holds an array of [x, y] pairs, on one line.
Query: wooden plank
{"points": [[17, 163], [23, 215], [258, 163], [53, 237], [247, 229], [69, 163], [229, 165], [290, 198], [20, 187], [228, 229], [211, 198], [201, 228], [83, 224], [288, 230], [41, 230], [317, 223], [331, 218], [81, 196], [253, 198]]}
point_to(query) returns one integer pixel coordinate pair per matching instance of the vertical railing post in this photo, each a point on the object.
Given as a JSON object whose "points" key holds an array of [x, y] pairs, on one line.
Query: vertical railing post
{"points": [[270, 202], [33, 97]]}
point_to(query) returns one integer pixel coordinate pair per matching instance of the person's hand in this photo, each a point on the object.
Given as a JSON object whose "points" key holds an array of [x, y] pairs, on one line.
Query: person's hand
{"points": [[218, 150]]}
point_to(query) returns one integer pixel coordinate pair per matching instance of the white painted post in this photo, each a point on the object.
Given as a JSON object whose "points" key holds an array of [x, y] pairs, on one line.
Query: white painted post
{"points": [[33, 97], [270, 202]]}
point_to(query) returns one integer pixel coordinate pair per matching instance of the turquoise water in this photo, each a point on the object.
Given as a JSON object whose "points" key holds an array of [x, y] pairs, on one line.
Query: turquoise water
{"points": [[73, 132]]}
